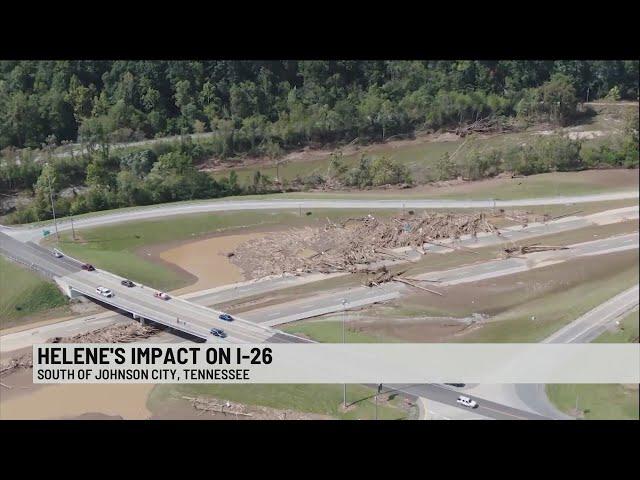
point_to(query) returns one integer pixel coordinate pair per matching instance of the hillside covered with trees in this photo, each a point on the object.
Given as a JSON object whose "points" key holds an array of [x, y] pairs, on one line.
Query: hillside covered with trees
{"points": [[268, 108], [262, 106]]}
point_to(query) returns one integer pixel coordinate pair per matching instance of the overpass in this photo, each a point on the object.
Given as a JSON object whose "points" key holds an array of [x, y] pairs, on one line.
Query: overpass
{"points": [[139, 301]]}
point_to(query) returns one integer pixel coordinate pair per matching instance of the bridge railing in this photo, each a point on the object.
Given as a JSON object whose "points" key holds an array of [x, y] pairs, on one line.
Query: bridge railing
{"points": [[204, 334]]}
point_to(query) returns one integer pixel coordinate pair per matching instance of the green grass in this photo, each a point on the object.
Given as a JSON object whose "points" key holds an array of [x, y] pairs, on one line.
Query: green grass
{"points": [[597, 402], [419, 158], [330, 331], [554, 310], [114, 247], [319, 399], [626, 332], [602, 401], [542, 185], [24, 294]]}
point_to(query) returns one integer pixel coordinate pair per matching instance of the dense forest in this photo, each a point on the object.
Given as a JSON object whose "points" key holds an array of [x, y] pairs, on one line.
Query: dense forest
{"points": [[264, 106]]}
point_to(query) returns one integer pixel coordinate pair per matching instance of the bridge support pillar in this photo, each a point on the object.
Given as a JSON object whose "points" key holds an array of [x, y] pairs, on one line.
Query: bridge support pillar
{"points": [[66, 288]]}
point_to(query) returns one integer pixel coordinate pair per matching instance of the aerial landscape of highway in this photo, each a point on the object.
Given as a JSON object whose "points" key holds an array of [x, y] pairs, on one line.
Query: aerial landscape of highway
{"points": [[487, 229]]}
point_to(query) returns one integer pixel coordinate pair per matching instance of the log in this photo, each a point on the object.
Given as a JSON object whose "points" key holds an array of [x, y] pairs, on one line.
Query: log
{"points": [[402, 280]]}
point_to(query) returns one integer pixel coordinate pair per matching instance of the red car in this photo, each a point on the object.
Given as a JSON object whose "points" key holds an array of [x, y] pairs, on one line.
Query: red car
{"points": [[88, 267], [161, 295]]}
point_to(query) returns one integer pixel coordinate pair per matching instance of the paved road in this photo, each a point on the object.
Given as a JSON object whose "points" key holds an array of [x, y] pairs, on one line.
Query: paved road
{"points": [[448, 395], [313, 305], [582, 330], [36, 257], [31, 253], [508, 266], [176, 313], [593, 323], [157, 211]]}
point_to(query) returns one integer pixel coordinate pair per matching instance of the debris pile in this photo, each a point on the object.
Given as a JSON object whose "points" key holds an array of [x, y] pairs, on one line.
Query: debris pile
{"points": [[23, 361], [522, 217], [383, 275], [124, 333], [352, 244], [484, 125], [214, 406], [129, 332]]}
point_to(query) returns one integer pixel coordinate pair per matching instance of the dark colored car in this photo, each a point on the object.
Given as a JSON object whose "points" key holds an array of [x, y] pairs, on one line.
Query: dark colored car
{"points": [[128, 283], [88, 267], [216, 332], [226, 317]]}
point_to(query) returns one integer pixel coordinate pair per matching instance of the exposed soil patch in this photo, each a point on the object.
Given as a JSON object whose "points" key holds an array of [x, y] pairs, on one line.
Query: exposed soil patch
{"points": [[207, 260], [95, 416], [65, 401], [22, 399], [189, 257]]}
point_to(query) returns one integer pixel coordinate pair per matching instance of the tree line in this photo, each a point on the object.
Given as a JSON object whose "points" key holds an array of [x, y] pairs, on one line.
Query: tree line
{"points": [[265, 107]]}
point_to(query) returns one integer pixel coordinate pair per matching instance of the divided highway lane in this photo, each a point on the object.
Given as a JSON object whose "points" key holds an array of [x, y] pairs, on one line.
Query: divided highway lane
{"points": [[593, 323], [584, 329], [331, 301], [320, 304], [508, 266], [447, 395], [37, 257]]}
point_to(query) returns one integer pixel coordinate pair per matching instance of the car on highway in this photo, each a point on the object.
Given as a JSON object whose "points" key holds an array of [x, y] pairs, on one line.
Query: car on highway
{"points": [[128, 283], [88, 267], [216, 332], [104, 291], [161, 295], [57, 253], [467, 402], [226, 317]]}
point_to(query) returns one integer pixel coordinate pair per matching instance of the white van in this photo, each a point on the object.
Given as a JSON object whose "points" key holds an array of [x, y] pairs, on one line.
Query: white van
{"points": [[57, 253], [467, 402]]}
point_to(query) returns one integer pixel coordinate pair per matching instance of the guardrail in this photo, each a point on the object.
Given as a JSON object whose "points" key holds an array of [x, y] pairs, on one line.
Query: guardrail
{"points": [[204, 336], [30, 265]]}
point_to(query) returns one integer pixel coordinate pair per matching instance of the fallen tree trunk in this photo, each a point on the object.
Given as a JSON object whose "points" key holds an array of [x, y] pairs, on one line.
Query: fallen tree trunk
{"points": [[402, 280]]}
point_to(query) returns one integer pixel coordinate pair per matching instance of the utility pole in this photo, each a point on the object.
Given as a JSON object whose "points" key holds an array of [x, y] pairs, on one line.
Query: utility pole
{"points": [[344, 314], [73, 230], [53, 210], [377, 393]]}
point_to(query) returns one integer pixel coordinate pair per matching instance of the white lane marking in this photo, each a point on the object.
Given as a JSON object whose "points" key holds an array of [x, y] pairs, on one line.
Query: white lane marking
{"points": [[607, 318]]}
